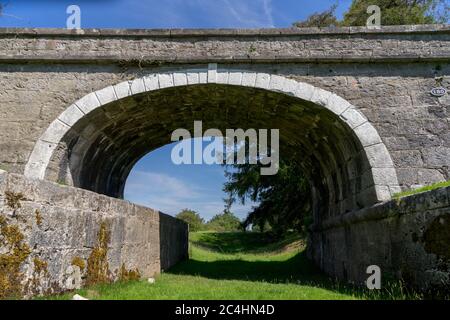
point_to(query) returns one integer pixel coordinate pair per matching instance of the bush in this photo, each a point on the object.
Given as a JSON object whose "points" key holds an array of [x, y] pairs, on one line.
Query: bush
{"points": [[192, 218], [224, 222]]}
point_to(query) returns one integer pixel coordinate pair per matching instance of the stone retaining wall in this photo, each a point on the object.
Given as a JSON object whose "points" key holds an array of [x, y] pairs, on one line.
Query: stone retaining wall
{"points": [[72, 237], [408, 239]]}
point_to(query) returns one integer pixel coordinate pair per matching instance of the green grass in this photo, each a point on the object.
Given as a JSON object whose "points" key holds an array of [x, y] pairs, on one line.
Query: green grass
{"points": [[236, 266], [422, 189]]}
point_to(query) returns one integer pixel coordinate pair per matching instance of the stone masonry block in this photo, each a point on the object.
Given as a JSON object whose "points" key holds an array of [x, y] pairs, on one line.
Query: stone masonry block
{"points": [[353, 117], [384, 176], [235, 78], [137, 86], [151, 82], [123, 89], [320, 96], [262, 80], [337, 105], [378, 156], [249, 79], [71, 115], [367, 134], [179, 79], [55, 132], [106, 95], [88, 103], [277, 83], [304, 91], [212, 73], [165, 80], [39, 159], [222, 76]]}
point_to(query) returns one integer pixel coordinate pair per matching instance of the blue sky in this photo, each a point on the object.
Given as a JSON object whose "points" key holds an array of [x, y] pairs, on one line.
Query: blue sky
{"points": [[155, 181], [158, 183], [165, 13]]}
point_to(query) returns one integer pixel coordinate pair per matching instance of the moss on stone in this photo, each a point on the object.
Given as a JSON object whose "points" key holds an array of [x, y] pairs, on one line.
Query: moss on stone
{"points": [[436, 238], [97, 263], [16, 252], [13, 199], [38, 217], [433, 186], [40, 265], [79, 262], [128, 275]]}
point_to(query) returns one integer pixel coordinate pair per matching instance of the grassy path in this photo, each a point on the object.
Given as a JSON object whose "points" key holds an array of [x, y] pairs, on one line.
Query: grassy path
{"points": [[232, 266]]}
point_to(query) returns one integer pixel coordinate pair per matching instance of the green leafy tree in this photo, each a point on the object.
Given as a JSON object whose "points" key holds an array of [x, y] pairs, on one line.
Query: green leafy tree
{"points": [[398, 12], [224, 222], [284, 199], [326, 18], [393, 12], [192, 218]]}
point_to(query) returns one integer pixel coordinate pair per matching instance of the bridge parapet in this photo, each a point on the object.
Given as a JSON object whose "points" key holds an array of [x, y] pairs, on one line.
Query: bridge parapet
{"points": [[347, 44]]}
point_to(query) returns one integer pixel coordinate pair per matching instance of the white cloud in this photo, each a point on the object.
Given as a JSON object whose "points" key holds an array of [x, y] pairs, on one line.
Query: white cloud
{"points": [[217, 13], [171, 195], [140, 181], [251, 14]]}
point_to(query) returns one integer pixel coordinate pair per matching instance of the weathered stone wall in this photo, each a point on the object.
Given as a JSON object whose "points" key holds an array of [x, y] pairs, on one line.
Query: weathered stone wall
{"points": [[408, 239], [73, 237], [387, 74]]}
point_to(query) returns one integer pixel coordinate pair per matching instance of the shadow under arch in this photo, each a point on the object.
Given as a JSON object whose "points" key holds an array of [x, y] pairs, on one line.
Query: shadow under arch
{"points": [[97, 140]]}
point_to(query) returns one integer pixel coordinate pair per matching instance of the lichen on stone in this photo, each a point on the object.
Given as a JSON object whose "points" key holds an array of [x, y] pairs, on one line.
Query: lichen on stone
{"points": [[37, 283], [38, 217], [79, 262], [13, 199], [15, 253], [97, 263], [128, 275], [40, 266]]}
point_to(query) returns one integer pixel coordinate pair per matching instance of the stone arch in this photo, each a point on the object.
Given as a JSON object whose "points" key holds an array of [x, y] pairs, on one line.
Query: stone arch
{"points": [[375, 178]]}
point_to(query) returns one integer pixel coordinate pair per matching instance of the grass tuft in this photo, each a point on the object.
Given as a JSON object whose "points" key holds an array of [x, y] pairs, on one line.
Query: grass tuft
{"points": [[434, 186]]}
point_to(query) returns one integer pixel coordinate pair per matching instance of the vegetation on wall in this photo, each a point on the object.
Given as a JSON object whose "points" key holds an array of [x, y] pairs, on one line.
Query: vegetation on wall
{"points": [[97, 263], [430, 187], [12, 241], [13, 199]]}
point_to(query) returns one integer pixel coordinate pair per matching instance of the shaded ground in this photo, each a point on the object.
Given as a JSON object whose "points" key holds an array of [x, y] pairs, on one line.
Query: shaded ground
{"points": [[237, 266]]}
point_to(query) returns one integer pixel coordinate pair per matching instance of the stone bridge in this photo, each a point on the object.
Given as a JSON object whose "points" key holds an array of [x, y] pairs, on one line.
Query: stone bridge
{"points": [[353, 106]]}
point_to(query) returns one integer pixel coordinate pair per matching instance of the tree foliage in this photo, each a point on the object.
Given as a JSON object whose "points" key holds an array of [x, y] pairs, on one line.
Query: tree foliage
{"points": [[326, 18], [192, 218], [397, 12], [393, 12], [284, 199], [224, 222]]}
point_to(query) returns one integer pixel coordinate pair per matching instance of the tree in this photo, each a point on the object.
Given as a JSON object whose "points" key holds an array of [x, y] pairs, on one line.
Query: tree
{"points": [[284, 199], [224, 222], [326, 18], [393, 12], [192, 218], [398, 12]]}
